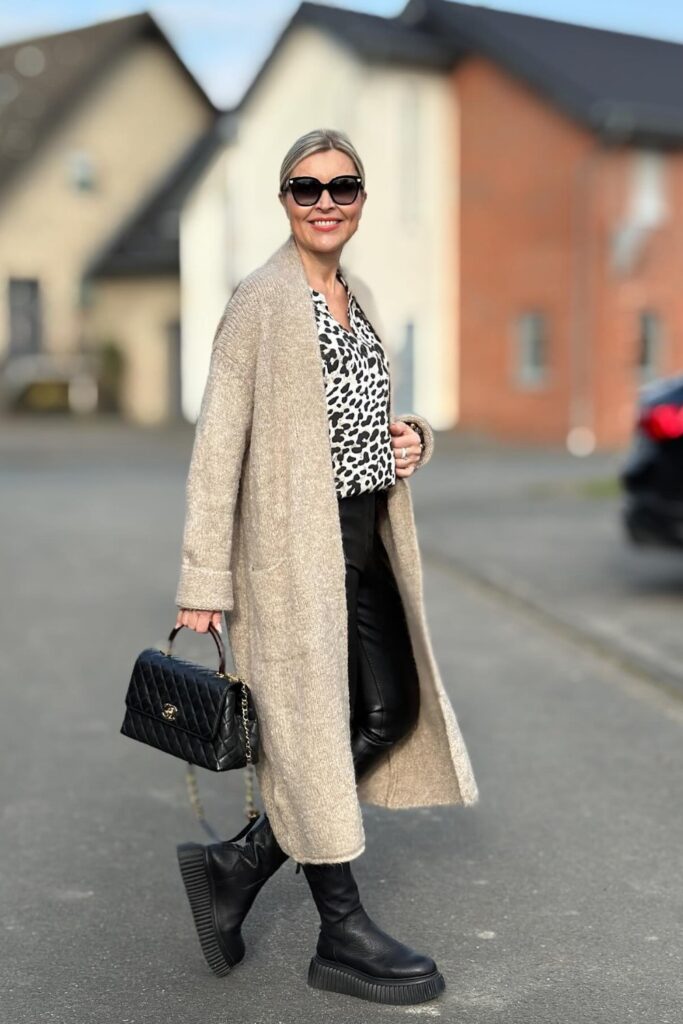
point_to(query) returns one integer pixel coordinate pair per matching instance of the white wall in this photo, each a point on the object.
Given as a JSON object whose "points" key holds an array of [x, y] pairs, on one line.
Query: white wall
{"points": [[205, 276], [401, 121]]}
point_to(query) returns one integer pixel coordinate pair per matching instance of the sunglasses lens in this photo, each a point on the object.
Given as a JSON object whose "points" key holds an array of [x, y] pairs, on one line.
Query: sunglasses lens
{"points": [[305, 191], [344, 190]]}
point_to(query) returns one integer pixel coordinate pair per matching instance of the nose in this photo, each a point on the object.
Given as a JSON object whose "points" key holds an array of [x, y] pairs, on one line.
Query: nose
{"points": [[325, 201]]}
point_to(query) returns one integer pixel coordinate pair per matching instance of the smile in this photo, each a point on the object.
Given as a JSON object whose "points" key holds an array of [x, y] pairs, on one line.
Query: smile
{"points": [[324, 225]]}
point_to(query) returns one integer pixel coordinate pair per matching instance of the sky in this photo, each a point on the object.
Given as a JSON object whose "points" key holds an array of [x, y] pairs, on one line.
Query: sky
{"points": [[224, 42]]}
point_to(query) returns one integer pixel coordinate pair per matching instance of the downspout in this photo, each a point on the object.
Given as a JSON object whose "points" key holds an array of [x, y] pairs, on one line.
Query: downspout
{"points": [[580, 439]]}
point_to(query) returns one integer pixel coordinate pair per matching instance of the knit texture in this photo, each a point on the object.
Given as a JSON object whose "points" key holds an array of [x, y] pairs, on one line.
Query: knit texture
{"points": [[262, 541]]}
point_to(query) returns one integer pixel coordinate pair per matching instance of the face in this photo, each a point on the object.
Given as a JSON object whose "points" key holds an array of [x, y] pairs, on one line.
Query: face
{"points": [[324, 227]]}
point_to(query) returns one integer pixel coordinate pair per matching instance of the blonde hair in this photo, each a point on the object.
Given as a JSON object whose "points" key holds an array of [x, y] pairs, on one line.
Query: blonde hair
{"points": [[317, 141]]}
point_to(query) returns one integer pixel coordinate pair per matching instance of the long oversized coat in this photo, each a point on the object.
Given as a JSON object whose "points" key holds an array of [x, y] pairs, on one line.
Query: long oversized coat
{"points": [[262, 541]]}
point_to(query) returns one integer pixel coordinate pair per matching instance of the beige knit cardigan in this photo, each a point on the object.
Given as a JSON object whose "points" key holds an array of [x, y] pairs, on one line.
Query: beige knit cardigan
{"points": [[262, 541]]}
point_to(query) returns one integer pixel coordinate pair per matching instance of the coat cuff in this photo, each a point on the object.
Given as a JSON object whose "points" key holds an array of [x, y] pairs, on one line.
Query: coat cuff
{"points": [[204, 589], [427, 434]]}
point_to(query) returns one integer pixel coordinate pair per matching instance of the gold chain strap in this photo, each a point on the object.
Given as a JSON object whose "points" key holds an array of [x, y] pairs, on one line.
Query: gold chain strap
{"points": [[250, 809]]}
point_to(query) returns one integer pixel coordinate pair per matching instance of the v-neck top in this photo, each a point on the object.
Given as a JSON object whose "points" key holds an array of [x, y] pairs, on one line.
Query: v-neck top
{"points": [[357, 387]]}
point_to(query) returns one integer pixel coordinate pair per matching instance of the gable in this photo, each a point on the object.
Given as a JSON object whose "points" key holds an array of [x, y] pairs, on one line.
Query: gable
{"points": [[42, 78]]}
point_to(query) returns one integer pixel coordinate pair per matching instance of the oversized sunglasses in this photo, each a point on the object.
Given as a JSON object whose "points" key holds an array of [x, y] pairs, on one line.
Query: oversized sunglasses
{"points": [[342, 190]]}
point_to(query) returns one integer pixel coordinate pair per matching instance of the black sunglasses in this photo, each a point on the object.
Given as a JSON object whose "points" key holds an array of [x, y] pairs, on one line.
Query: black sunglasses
{"points": [[343, 189]]}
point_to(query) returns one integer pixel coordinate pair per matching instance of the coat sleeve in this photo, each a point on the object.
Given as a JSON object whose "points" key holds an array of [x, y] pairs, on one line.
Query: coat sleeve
{"points": [[221, 438], [427, 433]]}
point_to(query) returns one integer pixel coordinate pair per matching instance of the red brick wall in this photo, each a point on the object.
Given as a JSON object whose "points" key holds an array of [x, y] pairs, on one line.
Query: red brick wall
{"points": [[655, 282], [539, 200]]}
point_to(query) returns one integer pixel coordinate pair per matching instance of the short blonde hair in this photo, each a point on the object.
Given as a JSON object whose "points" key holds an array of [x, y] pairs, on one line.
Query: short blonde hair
{"points": [[317, 141]]}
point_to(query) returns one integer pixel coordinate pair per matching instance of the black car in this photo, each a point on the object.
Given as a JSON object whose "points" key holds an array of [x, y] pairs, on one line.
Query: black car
{"points": [[652, 474]]}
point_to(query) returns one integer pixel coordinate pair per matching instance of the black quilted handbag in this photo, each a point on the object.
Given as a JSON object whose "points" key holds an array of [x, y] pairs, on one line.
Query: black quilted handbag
{"points": [[204, 716]]}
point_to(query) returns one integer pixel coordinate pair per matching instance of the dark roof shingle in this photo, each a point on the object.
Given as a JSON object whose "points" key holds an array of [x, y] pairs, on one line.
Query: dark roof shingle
{"points": [[623, 86], [375, 37]]}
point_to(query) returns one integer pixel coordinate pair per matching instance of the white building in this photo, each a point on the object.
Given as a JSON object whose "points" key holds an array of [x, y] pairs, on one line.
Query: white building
{"points": [[386, 85]]}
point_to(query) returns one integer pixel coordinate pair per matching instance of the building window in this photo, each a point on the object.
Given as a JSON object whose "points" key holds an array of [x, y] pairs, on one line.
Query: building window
{"points": [[25, 316], [531, 349], [649, 345], [81, 171], [647, 209], [84, 293]]}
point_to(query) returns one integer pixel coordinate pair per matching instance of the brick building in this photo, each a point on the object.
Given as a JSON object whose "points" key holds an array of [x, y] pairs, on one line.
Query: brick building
{"points": [[569, 228]]}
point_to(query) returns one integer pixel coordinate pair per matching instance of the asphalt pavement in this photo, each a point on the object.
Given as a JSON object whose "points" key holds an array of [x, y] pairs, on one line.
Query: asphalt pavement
{"points": [[557, 898]]}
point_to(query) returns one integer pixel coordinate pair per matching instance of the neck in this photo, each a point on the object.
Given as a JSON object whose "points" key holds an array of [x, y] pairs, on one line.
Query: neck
{"points": [[320, 268]]}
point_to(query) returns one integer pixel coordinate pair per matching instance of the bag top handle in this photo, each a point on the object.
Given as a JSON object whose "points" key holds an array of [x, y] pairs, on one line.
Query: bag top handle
{"points": [[214, 633]]}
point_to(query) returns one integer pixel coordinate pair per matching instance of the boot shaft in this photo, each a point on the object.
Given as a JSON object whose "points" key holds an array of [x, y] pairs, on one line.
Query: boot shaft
{"points": [[334, 890], [259, 856]]}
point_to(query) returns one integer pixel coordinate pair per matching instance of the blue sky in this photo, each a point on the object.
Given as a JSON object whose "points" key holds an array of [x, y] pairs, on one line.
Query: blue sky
{"points": [[223, 42]]}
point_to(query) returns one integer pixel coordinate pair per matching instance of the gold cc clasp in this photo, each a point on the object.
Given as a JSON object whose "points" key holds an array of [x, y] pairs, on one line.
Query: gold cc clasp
{"points": [[169, 712]]}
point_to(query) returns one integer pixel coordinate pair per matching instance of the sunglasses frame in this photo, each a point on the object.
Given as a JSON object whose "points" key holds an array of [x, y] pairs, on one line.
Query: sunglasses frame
{"points": [[325, 187]]}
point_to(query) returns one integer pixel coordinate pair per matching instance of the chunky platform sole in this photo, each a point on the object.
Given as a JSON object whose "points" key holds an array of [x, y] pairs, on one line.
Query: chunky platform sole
{"points": [[335, 977], [198, 888]]}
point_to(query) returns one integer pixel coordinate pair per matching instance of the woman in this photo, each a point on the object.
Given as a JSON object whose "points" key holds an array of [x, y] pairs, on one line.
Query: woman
{"points": [[299, 522]]}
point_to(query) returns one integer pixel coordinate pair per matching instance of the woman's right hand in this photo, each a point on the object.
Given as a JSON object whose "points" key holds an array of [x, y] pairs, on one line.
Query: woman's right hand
{"points": [[199, 620]]}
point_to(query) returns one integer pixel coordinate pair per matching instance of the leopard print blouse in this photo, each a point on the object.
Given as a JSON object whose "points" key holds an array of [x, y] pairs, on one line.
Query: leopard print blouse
{"points": [[357, 382]]}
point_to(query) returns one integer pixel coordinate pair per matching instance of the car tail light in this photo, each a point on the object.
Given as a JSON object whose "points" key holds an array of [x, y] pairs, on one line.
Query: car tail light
{"points": [[662, 422]]}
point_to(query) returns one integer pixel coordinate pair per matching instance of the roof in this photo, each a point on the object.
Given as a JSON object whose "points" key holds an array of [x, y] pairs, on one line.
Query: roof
{"points": [[372, 37], [148, 242], [42, 77], [624, 87]]}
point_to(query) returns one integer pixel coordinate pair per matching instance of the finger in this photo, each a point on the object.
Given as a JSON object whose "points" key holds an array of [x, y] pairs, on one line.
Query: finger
{"points": [[216, 621], [203, 620], [412, 455], [412, 443]]}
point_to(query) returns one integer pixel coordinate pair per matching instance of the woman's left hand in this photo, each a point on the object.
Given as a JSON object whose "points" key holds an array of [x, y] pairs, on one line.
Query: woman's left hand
{"points": [[404, 436]]}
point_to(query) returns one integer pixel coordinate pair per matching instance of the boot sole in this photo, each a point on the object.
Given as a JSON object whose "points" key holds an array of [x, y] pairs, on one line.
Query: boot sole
{"points": [[198, 889], [335, 977]]}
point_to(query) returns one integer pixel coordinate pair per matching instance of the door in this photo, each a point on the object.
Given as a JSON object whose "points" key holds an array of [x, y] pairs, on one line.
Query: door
{"points": [[173, 336], [25, 316]]}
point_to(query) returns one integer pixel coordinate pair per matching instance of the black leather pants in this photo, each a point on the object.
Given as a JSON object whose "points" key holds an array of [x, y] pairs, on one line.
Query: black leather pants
{"points": [[383, 682]]}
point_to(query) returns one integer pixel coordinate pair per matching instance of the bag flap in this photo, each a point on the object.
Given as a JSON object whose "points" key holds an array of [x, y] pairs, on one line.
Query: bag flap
{"points": [[191, 695]]}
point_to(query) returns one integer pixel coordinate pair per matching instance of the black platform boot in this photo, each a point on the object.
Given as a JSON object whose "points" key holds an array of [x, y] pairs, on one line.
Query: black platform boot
{"points": [[222, 881], [354, 956]]}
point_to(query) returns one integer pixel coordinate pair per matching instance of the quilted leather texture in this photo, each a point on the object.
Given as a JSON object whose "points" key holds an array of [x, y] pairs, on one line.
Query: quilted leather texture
{"points": [[207, 730]]}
